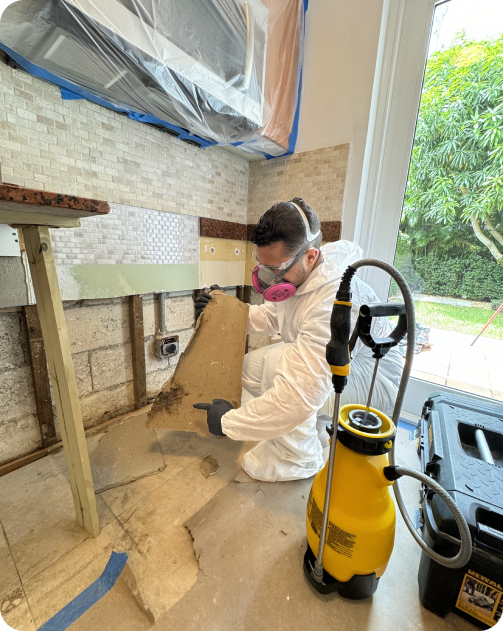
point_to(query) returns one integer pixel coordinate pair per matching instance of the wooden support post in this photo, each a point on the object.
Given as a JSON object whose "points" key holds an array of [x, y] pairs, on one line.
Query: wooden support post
{"points": [[243, 293], [40, 374], [138, 350], [59, 357]]}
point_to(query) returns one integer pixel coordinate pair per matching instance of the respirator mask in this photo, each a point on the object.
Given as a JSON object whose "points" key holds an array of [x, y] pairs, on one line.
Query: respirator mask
{"points": [[266, 279]]}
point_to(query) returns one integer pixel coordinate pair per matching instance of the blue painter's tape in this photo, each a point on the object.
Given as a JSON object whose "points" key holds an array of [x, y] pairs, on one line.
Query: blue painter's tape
{"points": [[71, 91], [405, 424], [68, 95], [89, 597]]}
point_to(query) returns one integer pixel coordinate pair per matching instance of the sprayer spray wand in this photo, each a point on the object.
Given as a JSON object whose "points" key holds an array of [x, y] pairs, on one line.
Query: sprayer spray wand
{"points": [[371, 390]]}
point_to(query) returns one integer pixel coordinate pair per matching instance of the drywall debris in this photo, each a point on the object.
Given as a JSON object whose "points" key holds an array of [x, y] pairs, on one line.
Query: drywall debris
{"points": [[128, 578], [209, 466], [210, 368]]}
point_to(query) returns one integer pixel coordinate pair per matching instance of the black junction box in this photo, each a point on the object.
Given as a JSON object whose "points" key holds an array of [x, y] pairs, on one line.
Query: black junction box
{"points": [[451, 453]]}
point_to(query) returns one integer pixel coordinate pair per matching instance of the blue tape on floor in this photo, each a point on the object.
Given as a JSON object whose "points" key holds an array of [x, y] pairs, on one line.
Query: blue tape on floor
{"points": [[409, 426], [406, 424], [89, 597]]}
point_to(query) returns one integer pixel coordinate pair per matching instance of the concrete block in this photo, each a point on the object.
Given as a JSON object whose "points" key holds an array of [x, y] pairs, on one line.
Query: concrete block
{"points": [[13, 352], [256, 298], [111, 367], [91, 327], [19, 437], [83, 373], [102, 406], [180, 314], [16, 394], [156, 380]]}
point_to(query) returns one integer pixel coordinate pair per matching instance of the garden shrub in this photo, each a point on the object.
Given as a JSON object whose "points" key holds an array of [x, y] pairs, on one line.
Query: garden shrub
{"points": [[471, 277]]}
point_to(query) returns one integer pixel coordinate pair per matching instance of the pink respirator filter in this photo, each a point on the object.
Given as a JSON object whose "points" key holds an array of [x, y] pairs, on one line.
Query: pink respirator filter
{"points": [[274, 293]]}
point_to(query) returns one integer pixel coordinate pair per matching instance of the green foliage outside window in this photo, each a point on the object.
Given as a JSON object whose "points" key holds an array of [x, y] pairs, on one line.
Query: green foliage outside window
{"points": [[451, 239], [471, 277]]}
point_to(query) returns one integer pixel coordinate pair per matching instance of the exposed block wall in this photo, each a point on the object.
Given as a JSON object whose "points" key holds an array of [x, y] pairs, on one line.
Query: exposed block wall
{"points": [[101, 352], [19, 429]]}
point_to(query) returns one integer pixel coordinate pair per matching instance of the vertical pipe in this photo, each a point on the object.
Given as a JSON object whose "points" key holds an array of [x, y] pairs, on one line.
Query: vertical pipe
{"points": [[162, 312]]}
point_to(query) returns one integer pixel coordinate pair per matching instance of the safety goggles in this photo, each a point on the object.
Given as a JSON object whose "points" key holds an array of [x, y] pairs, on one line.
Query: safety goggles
{"points": [[274, 268]]}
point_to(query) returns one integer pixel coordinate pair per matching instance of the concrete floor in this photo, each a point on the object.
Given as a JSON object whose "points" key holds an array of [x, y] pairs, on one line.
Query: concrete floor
{"points": [[249, 538], [453, 362]]}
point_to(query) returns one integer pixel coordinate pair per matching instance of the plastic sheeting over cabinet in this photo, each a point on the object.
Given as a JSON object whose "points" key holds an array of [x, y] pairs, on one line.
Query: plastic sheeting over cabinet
{"points": [[225, 70]]}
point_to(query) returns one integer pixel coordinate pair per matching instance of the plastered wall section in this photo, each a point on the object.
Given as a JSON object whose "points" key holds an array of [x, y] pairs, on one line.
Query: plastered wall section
{"points": [[317, 176], [80, 148], [221, 262], [101, 351]]}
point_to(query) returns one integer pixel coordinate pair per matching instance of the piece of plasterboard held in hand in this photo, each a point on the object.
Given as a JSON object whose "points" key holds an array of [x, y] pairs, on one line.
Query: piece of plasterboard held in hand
{"points": [[210, 367]]}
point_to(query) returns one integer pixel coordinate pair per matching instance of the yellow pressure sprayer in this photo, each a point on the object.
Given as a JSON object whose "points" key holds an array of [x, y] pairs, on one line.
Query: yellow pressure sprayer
{"points": [[350, 511]]}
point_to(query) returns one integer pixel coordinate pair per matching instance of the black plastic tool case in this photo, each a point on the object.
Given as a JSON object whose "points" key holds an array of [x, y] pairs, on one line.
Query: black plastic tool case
{"points": [[449, 454]]}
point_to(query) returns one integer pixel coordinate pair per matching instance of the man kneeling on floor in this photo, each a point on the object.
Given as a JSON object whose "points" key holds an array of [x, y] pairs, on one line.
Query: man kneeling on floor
{"points": [[287, 387]]}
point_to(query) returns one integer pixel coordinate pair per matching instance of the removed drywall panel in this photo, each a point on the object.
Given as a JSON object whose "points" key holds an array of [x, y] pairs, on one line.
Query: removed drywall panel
{"points": [[9, 241], [13, 287], [210, 368]]}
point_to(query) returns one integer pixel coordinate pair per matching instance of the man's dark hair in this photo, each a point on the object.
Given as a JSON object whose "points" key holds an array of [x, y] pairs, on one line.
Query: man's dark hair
{"points": [[282, 222]]}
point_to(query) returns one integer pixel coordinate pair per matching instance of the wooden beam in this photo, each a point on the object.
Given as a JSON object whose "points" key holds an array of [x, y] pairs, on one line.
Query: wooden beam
{"points": [[138, 351], [40, 374], [18, 219], [243, 293], [57, 345], [13, 465]]}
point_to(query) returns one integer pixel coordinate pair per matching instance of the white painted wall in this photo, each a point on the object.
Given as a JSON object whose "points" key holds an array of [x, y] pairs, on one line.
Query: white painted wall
{"points": [[339, 63]]}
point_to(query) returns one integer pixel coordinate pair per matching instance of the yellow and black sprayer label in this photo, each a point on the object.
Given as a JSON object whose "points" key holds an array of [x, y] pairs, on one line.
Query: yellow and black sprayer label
{"points": [[481, 598]]}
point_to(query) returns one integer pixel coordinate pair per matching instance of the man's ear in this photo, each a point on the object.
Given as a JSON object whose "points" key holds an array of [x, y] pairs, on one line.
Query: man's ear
{"points": [[312, 254]]}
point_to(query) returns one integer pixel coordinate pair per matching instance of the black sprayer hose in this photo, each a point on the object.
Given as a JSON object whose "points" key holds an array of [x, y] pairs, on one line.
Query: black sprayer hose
{"points": [[465, 551]]}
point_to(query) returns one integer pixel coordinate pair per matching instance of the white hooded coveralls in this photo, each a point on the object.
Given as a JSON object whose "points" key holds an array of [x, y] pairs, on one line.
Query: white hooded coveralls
{"points": [[287, 384]]}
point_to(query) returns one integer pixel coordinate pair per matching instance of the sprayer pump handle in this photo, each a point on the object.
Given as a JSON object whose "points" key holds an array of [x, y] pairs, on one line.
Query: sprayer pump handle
{"points": [[381, 345]]}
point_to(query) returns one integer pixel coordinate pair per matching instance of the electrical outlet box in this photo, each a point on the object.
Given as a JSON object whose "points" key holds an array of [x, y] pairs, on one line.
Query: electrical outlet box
{"points": [[165, 345]]}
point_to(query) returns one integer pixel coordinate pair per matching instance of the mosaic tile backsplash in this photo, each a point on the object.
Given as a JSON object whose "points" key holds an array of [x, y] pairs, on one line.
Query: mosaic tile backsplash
{"points": [[129, 235]]}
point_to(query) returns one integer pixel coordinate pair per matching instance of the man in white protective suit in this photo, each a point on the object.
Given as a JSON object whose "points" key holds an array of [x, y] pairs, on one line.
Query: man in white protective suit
{"points": [[287, 388]]}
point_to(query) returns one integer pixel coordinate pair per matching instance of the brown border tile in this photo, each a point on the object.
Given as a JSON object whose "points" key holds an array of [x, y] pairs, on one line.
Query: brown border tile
{"points": [[218, 229], [330, 230], [34, 197]]}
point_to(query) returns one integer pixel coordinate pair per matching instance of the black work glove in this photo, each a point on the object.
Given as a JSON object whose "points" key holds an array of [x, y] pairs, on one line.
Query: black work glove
{"points": [[215, 412], [202, 300]]}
